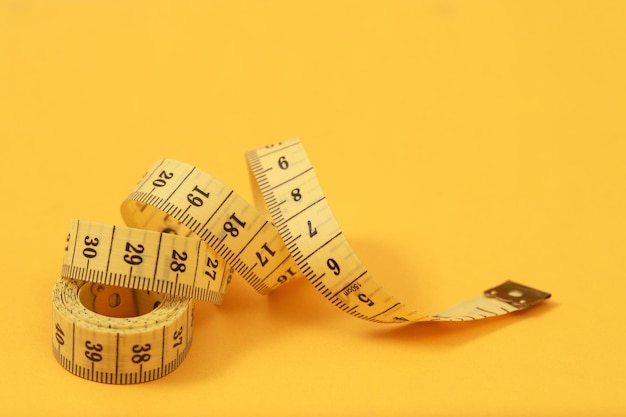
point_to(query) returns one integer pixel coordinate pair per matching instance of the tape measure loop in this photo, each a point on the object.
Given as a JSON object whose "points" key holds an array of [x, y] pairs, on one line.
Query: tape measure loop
{"points": [[118, 350]]}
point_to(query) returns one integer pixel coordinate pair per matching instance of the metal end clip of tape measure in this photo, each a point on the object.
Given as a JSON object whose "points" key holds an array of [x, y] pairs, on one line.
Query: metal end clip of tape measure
{"points": [[123, 310]]}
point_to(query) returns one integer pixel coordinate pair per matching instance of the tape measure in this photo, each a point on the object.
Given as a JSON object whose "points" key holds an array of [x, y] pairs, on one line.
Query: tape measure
{"points": [[125, 296]]}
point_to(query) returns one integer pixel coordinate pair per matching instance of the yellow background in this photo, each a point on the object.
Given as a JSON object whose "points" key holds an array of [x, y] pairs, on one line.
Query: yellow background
{"points": [[459, 144]]}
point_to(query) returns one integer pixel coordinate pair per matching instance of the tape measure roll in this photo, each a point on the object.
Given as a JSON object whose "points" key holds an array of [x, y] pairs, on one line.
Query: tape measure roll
{"points": [[118, 350], [187, 233]]}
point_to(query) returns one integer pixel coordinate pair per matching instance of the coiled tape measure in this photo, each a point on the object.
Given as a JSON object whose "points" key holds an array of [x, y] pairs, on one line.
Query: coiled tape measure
{"points": [[123, 309]]}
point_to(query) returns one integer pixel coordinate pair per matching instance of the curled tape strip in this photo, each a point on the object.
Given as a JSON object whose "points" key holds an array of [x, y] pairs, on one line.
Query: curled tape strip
{"points": [[144, 260], [188, 232]]}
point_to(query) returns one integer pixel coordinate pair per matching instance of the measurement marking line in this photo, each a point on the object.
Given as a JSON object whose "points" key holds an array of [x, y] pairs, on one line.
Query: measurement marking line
{"points": [[110, 250], [485, 310], [219, 208], [117, 355], [385, 311], [156, 262], [288, 180], [300, 212], [195, 276], [180, 183], [75, 240], [320, 247], [73, 341]]}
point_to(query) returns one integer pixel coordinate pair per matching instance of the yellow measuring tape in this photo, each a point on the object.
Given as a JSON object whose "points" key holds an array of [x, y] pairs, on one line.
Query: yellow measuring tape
{"points": [[122, 313]]}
